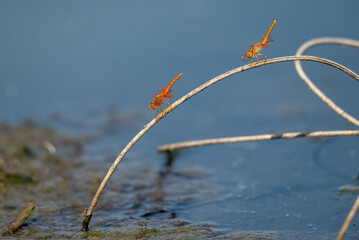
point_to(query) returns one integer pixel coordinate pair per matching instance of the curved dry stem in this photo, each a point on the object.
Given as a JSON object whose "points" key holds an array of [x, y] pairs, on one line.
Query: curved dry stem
{"points": [[348, 220], [147, 127], [315, 89], [265, 137]]}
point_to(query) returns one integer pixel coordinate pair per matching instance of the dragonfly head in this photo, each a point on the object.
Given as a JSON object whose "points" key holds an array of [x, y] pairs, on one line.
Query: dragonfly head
{"points": [[151, 106], [249, 55]]}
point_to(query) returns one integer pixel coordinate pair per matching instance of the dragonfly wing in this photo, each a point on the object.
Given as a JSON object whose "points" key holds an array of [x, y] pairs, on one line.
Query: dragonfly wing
{"points": [[266, 45], [154, 95], [169, 95], [270, 39]]}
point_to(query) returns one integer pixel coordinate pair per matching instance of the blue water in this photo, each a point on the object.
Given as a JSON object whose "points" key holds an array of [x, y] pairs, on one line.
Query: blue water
{"points": [[71, 57]]}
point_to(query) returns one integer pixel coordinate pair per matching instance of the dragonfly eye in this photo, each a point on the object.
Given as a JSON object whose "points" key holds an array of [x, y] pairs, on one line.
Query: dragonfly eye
{"points": [[151, 107], [249, 54]]}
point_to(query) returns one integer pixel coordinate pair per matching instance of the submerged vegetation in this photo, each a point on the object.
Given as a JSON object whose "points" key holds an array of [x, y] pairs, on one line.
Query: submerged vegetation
{"points": [[46, 166]]}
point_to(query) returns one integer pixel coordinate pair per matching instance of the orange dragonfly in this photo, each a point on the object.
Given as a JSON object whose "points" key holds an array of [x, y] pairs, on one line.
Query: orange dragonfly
{"points": [[253, 52], [166, 93]]}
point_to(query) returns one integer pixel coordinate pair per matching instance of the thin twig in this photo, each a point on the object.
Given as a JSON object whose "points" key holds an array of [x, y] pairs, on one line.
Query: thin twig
{"points": [[19, 221], [348, 220], [147, 127], [312, 86], [289, 135]]}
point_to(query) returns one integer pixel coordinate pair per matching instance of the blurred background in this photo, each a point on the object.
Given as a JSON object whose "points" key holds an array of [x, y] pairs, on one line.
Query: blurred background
{"points": [[76, 60]]}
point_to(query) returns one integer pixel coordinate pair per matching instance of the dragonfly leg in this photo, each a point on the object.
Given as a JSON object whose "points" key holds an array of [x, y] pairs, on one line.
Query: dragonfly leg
{"points": [[263, 55], [157, 111], [170, 106]]}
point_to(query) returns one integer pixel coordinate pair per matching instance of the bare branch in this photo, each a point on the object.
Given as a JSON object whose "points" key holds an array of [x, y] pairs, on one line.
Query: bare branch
{"points": [[348, 220], [265, 137], [19, 221], [311, 85], [147, 127]]}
